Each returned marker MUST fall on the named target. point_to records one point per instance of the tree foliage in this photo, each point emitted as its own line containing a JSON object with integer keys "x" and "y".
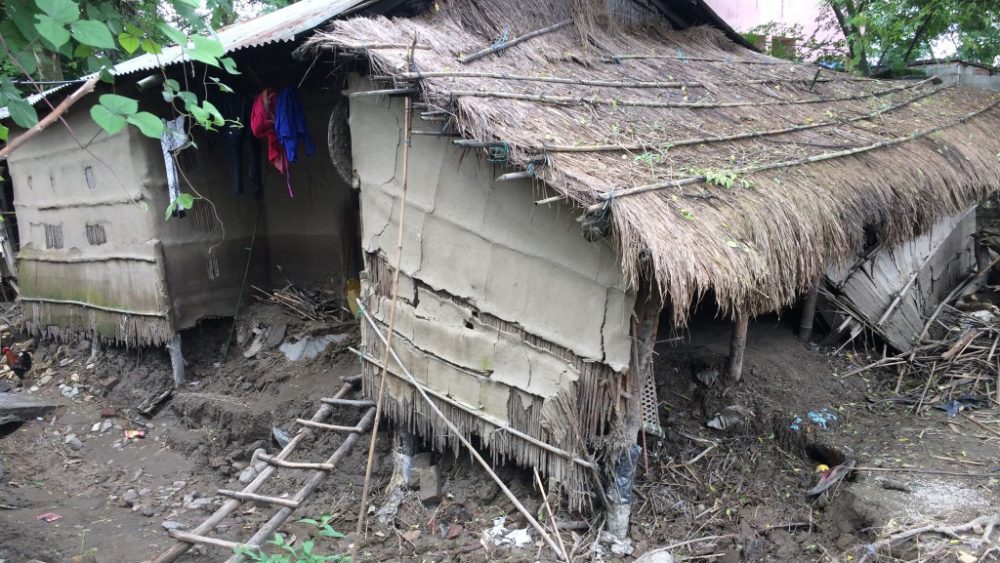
{"x": 44, "y": 42}
{"x": 889, "y": 34}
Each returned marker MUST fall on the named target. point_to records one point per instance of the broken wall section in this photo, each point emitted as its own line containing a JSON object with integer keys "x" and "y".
{"x": 504, "y": 309}
{"x": 894, "y": 290}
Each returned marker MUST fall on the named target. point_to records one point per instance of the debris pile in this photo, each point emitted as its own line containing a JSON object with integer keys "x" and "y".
{"x": 309, "y": 304}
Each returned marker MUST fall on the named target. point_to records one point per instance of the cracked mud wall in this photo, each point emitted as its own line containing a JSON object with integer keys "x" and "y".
{"x": 93, "y": 230}
{"x": 87, "y": 235}
{"x": 503, "y": 306}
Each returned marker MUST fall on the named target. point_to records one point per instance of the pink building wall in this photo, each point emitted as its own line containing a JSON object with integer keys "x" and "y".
{"x": 745, "y": 14}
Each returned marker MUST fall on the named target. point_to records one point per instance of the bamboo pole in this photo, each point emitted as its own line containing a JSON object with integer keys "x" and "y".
{"x": 606, "y": 101}
{"x": 598, "y": 83}
{"x": 407, "y": 138}
{"x": 461, "y": 437}
{"x": 740, "y": 136}
{"x": 737, "y": 346}
{"x": 501, "y": 46}
{"x": 86, "y": 88}
{"x": 809, "y": 311}
{"x": 798, "y": 162}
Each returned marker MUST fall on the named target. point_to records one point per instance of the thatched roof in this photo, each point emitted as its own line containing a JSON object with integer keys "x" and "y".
{"x": 648, "y": 124}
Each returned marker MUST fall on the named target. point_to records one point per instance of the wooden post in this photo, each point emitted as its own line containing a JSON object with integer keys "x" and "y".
{"x": 738, "y": 345}
{"x": 176, "y": 360}
{"x": 809, "y": 312}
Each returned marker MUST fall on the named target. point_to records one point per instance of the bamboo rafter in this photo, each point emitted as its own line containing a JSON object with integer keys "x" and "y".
{"x": 592, "y": 100}
{"x": 605, "y": 83}
{"x": 739, "y": 136}
{"x": 801, "y": 161}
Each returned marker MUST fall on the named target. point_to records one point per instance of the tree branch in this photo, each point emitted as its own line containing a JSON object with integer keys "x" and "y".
{"x": 54, "y": 115}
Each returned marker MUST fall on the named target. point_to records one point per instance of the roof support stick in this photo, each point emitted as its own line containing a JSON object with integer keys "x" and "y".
{"x": 503, "y": 45}
{"x": 407, "y": 140}
{"x": 738, "y": 345}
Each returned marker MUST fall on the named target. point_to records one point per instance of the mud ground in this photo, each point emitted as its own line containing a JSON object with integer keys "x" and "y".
{"x": 733, "y": 495}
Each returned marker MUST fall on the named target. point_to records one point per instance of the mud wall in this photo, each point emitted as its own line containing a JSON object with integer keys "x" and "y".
{"x": 89, "y": 256}
{"x": 503, "y": 306}
{"x": 313, "y": 236}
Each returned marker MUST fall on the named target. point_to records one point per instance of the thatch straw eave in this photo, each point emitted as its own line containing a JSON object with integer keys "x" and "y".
{"x": 718, "y": 168}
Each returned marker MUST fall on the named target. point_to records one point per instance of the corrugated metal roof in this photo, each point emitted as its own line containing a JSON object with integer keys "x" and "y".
{"x": 279, "y": 25}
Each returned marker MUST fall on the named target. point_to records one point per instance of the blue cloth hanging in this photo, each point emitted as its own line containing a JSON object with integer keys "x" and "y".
{"x": 290, "y": 124}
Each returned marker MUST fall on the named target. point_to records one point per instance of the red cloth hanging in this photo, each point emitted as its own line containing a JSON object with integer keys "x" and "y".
{"x": 262, "y": 126}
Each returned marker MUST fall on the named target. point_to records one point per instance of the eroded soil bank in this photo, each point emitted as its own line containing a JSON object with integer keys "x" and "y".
{"x": 732, "y": 495}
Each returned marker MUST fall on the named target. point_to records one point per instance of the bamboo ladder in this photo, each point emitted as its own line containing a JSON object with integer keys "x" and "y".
{"x": 285, "y": 506}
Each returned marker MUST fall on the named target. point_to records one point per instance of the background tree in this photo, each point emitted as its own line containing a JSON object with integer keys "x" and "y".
{"x": 888, "y": 35}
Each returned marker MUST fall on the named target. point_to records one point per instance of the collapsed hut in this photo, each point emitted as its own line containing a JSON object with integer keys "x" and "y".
{"x": 572, "y": 169}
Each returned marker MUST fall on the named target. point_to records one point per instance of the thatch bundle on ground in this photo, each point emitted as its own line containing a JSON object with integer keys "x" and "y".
{"x": 721, "y": 169}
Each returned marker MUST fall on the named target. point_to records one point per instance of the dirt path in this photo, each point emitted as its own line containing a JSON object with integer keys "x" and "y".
{"x": 742, "y": 488}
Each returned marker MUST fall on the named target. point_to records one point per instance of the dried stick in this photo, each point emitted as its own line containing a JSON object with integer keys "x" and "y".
{"x": 84, "y": 89}
{"x": 501, "y": 46}
{"x": 408, "y": 126}
{"x": 459, "y": 436}
{"x": 952, "y": 531}
{"x": 548, "y": 508}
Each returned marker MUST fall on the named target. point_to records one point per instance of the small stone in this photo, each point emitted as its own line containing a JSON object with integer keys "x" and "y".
{"x": 106, "y": 425}
{"x": 171, "y": 525}
{"x": 180, "y": 484}
{"x": 216, "y": 462}
{"x": 657, "y": 556}
{"x": 248, "y": 474}
{"x": 74, "y": 443}
{"x": 89, "y": 558}
{"x": 147, "y": 510}
{"x": 205, "y": 504}
{"x": 109, "y": 383}
{"x": 75, "y": 377}
{"x": 430, "y": 484}
{"x": 145, "y": 492}
{"x": 45, "y": 380}
{"x": 130, "y": 498}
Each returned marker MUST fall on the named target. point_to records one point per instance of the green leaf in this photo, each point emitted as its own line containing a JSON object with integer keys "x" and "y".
{"x": 128, "y": 42}
{"x": 62, "y": 11}
{"x": 207, "y": 46}
{"x": 229, "y": 64}
{"x": 106, "y": 75}
{"x": 200, "y": 115}
{"x": 119, "y": 105}
{"x": 52, "y": 31}
{"x": 93, "y": 33}
{"x": 151, "y": 47}
{"x": 148, "y": 124}
{"x": 190, "y": 100}
{"x": 192, "y": 3}
{"x": 22, "y": 112}
{"x": 329, "y": 532}
{"x": 174, "y": 34}
{"x": 185, "y": 201}
{"x": 214, "y": 112}
{"x": 110, "y": 122}
{"x": 4, "y": 132}
{"x": 170, "y": 210}
{"x": 82, "y": 51}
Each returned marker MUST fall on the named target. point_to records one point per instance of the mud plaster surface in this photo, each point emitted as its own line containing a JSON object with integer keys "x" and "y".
{"x": 488, "y": 244}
